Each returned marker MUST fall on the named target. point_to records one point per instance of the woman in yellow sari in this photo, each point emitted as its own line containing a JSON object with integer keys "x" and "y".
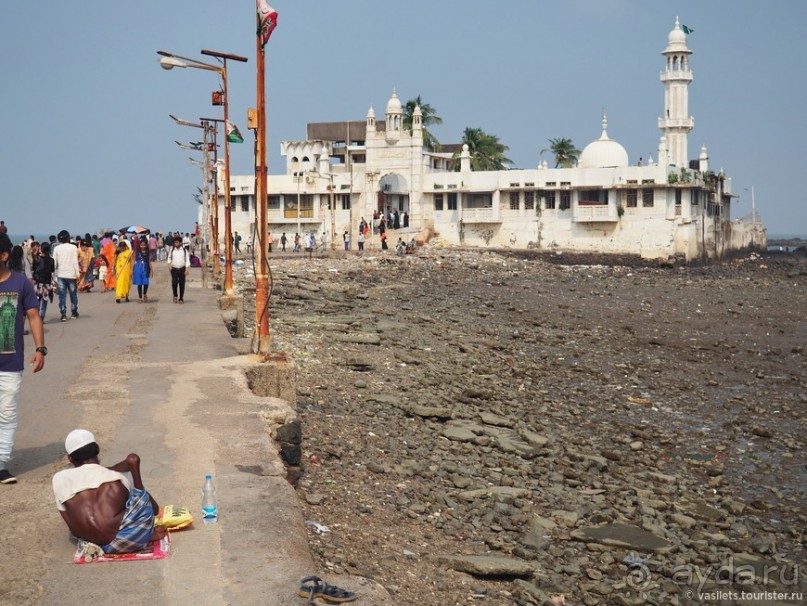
{"x": 123, "y": 273}
{"x": 85, "y": 264}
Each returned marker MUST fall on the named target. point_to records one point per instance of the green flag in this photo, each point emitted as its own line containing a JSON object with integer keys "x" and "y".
{"x": 233, "y": 136}
{"x": 687, "y": 30}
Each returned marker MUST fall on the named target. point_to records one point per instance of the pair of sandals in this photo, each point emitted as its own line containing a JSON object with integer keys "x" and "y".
{"x": 314, "y": 587}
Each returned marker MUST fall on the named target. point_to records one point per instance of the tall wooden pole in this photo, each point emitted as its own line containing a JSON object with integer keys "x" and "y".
{"x": 262, "y": 264}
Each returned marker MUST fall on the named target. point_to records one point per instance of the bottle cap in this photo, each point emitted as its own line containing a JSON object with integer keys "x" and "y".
{"x": 208, "y": 477}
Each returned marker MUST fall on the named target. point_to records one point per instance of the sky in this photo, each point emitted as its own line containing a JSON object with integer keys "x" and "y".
{"x": 87, "y": 142}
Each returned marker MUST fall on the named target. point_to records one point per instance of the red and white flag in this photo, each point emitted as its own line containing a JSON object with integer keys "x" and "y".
{"x": 267, "y": 21}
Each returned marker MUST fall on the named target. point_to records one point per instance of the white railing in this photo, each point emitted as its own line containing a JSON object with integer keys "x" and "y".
{"x": 480, "y": 215}
{"x": 595, "y": 212}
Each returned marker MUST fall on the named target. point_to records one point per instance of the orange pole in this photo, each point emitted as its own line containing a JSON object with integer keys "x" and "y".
{"x": 261, "y": 191}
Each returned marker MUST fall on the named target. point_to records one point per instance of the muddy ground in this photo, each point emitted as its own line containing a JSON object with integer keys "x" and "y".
{"x": 517, "y": 428}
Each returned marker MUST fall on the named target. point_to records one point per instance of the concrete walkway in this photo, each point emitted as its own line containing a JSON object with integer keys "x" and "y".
{"x": 165, "y": 381}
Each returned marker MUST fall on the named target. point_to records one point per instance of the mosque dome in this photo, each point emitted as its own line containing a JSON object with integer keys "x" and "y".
{"x": 676, "y": 39}
{"x": 603, "y": 153}
{"x": 394, "y": 104}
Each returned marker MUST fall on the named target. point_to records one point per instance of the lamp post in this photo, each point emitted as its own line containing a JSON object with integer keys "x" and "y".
{"x": 170, "y": 61}
{"x": 331, "y": 201}
{"x": 205, "y": 147}
{"x": 298, "y": 177}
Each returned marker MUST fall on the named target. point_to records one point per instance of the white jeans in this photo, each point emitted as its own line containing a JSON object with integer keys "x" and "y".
{"x": 10, "y": 383}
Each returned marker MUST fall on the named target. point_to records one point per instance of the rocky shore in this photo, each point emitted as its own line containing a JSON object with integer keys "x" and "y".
{"x": 519, "y": 428}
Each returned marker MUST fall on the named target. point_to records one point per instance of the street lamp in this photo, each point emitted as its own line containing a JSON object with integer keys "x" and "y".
{"x": 204, "y": 146}
{"x": 298, "y": 177}
{"x": 331, "y": 202}
{"x": 170, "y": 61}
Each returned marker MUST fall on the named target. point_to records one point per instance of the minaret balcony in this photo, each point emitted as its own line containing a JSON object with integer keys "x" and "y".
{"x": 677, "y": 75}
{"x": 676, "y": 123}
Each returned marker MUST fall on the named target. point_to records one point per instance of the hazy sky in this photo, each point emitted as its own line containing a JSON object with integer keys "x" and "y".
{"x": 87, "y": 142}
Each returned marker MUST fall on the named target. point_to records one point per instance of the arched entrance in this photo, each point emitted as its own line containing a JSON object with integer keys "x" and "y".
{"x": 393, "y": 194}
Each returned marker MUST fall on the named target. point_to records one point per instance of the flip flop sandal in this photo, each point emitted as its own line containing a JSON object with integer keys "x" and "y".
{"x": 320, "y": 589}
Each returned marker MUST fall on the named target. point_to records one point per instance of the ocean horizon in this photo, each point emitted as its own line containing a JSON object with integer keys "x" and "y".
{"x": 20, "y": 238}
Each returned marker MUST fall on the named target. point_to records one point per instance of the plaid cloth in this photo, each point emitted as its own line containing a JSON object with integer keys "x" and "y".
{"x": 136, "y": 526}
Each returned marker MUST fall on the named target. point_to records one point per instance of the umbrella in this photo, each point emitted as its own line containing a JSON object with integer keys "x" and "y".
{"x": 135, "y": 229}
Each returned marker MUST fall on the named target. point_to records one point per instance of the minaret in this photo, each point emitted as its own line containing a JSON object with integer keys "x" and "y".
{"x": 676, "y": 122}
{"x": 371, "y": 120}
{"x": 417, "y": 119}
{"x": 394, "y": 118}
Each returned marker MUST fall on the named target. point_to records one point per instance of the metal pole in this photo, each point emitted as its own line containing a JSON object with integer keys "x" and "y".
{"x": 214, "y": 203}
{"x": 262, "y": 263}
{"x": 298, "y": 177}
{"x": 333, "y": 215}
{"x": 206, "y": 203}
{"x": 228, "y": 236}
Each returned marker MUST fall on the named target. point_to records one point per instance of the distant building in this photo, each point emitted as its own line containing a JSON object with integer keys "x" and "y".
{"x": 672, "y": 205}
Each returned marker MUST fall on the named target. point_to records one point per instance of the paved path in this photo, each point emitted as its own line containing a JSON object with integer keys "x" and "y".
{"x": 165, "y": 381}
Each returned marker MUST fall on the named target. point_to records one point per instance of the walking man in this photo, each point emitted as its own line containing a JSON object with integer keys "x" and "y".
{"x": 17, "y": 302}
{"x": 310, "y": 242}
{"x": 179, "y": 262}
{"x": 283, "y": 240}
{"x": 65, "y": 259}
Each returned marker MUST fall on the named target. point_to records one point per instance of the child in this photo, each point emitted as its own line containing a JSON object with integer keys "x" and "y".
{"x": 103, "y": 267}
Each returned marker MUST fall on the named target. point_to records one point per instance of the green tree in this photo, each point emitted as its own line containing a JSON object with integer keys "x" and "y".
{"x": 566, "y": 154}
{"x": 428, "y": 117}
{"x": 487, "y": 153}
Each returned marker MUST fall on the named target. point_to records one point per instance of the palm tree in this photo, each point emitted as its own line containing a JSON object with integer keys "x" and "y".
{"x": 428, "y": 117}
{"x": 565, "y": 152}
{"x": 487, "y": 153}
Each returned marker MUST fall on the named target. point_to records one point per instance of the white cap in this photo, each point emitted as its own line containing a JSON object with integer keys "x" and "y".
{"x": 77, "y": 439}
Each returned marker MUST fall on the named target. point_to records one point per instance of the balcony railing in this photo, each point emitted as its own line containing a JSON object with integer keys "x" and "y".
{"x": 594, "y": 212}
{"x": 481, "y": 215}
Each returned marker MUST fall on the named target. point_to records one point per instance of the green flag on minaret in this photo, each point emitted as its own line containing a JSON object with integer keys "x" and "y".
{"x": 687, "y": 30}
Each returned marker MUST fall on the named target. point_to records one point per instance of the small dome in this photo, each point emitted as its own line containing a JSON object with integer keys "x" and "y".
{"x": 676, "y": 39}
{"x": 603, "y": 153}
{"x": 371, "y": 112}
{"x": 394, "y": 104}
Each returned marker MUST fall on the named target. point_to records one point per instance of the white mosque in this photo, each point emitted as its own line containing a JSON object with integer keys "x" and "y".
{"x": 667, "y": 206}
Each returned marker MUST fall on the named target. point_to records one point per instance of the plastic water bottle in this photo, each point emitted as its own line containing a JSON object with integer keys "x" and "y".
{"x": 210, "y": 509}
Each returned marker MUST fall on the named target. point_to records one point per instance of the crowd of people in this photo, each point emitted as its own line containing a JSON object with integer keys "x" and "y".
{"x": 65, "y": 266}
{"x": 382, "y": 222}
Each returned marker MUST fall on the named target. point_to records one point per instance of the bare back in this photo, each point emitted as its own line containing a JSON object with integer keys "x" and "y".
{"x": 95, "y": 514}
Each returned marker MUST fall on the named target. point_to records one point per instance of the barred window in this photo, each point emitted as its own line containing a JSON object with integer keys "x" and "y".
{"x": 550, "y": 200}
{"x": 565, "y": 200}
{"x": 438, "y": 201}
{"x": 514, "y": 200}
{"x": 632, "y": 198}
{"x": 452, "y": 201}
{"x": 647, "y": 198}
{"x": 529, "y": 200}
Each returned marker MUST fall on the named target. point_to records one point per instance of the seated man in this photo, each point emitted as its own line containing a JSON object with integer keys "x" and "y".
{"x": 107, "y": 506}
